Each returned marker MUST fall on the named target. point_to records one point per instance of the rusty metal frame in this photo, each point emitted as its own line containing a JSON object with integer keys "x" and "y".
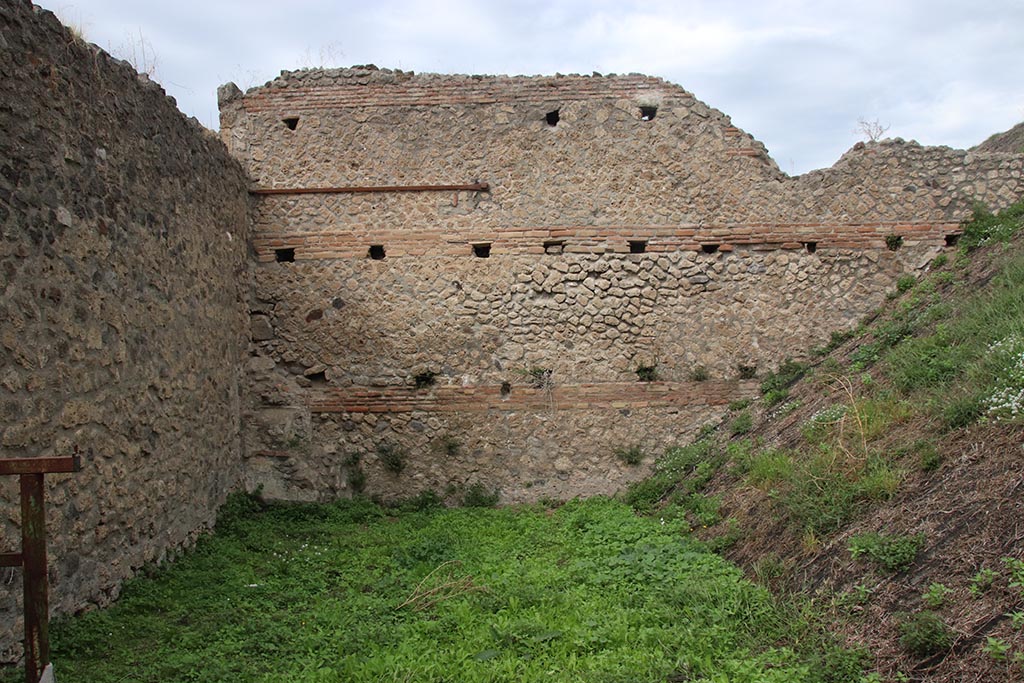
{"x": 32, "y": 558}
{"x": 471, "y": 187}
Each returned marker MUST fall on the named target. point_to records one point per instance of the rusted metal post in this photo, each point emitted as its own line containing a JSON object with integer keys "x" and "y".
{"x": 33, "y": 551}
{"x": 32, "y": 558}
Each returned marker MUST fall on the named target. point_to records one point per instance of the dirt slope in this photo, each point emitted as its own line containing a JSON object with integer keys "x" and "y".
{"x": 1009, "y": 141}
{"x": 966, "y": 502}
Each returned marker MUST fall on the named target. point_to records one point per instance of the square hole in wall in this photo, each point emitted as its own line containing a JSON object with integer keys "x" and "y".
{"x": 648, "y": 113}
{"x": 284, "y": 255}
{"x": 552, "y": 118}
{"x": 637, "y": 246}
{"x": 952, "y": 239}
{"x": 811, "y": 247}
{"x": 482, "y": 250}
{"x": 709, "y": 248}
{"x": 554, "y": 247}
{"x": 291, "y": 121}
{"x": 376, "y": 252}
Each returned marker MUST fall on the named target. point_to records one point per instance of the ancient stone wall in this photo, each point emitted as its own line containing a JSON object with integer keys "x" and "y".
{"x": 123, "y": 237}
{"x": 509, "y": 335}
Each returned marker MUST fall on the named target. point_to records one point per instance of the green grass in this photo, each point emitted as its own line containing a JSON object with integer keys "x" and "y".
{"x": 972, "y": 364}
{"x": 354, "y": 592}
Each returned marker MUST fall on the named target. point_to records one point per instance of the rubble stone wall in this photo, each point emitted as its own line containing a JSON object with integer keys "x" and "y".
{"x": 123, "y": 320}
{"x": 510, "y": 335}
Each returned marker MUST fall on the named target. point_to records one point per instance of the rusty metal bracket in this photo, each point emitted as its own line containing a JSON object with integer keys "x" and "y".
{"x": 32, "y": 558}
{"x": 471, "y": 187}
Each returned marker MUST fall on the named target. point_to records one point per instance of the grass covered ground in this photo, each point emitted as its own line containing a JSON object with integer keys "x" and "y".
{"x": 352, "y": 592}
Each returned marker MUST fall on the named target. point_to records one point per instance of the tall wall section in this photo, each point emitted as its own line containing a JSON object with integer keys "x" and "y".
{"x": 122, "y": 265}
{"x": 629, "y": 241}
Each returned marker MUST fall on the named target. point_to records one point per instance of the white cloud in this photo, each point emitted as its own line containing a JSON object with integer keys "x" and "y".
{"x": 795, "y": 73}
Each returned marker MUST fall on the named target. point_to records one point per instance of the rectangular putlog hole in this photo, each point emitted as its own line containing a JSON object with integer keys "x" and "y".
{"x": 482, "y": 250}
{"x": 554, "y": 247}
{"x": 286, "y": 255}
{"x": 376, "y": 252}
{"x": 637, "y": 246}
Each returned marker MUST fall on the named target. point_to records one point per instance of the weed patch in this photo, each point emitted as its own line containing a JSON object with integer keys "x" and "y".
{"x": 351, "y": 592}
{"x": 925, "y": 633}
{"x": 893, "y": 553}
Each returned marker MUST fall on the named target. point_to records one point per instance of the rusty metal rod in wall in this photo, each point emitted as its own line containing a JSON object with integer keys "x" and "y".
{"x": 472, "y": 187}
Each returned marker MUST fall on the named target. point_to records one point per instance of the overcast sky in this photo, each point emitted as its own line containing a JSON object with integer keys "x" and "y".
{"x": 796, "y": 74}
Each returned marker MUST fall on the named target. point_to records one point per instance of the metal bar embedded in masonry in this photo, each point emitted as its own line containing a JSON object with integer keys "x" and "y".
{"x": 472, "y": 187}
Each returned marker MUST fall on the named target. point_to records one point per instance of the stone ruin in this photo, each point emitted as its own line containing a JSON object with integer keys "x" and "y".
{"x": 389, "y": 282}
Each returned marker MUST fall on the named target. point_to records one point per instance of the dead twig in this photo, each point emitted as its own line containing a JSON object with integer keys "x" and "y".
{"x": 425, "y": 595}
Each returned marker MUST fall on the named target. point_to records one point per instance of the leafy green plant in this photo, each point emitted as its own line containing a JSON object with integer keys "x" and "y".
{"x": 982, "y": 582}
{"x": 422, "y": 501}
{"x": 644, "y": 495}
{"x": 935, "y": 596}
{"x": 986, "y": 227}
{"x": 891, "y": 552}
{"x": 1016, "y": 569}
{"x": 858, "y": 595}
{"x": 893, "y": 242}
{"x": 647, "y": 373}
{"x": 775, "y": 386}
{"x": 738, "y": 405}
{"x": 925, "y": 633}
{"x": 476, "y": 495}
{"x": 939, "y": 261}
{"x": 741, "y": 424}
{"x": 996, "y": 648}
{"x": 905, "y": 283}
{"x": 353, "y": 592}
{"x": 698, "y": 373}
{"x": 392, "y": 458}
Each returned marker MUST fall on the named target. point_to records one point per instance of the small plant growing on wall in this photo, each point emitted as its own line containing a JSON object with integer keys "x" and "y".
{"x": 540, "y": 378}
{"x": 698, "y": 373}
{"x": 630, "y": 455}
{"x": 355, "y": 476}
{"x": 647, "y": 373}
{"x": 450, "y": 445}
{"x": 392, "y": 458}
{"x": 477, "y": 495}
